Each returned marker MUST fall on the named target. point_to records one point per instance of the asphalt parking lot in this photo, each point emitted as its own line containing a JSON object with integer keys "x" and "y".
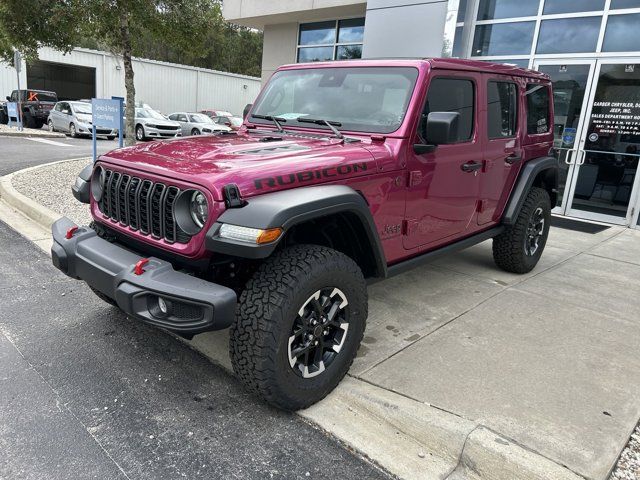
{"x": 86, "y": 393}
{"x": 19, "y": 153}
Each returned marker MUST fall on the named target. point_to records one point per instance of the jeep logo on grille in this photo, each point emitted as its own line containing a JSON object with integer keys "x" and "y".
{"x": 309, "y": 175}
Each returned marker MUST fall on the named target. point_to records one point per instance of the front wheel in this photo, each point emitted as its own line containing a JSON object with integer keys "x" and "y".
{"x": 140, "y": 133}
{"x": 519, "y": 248}
{"x": 73, "y": 132}
{"x": 51, "y": 127}
{"x": 195, "y": 131}
{"x": 299, "y": 324}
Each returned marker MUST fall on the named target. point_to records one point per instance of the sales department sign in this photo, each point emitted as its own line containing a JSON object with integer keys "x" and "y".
{"x": 615, "y": 118}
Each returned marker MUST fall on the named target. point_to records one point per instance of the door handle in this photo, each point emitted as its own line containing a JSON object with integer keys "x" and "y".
{"x": 513, "y": 158}
{"x": 471, "y": 167}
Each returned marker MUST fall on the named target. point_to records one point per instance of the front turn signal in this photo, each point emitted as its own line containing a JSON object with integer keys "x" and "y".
{"x": 268, "y": 236}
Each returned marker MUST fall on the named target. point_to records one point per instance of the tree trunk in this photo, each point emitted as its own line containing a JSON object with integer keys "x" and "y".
{"x": 128, "y": 80}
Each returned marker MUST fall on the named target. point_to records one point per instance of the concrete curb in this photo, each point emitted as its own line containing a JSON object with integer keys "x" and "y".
{"x": 408, "y": 438}
{"x": 33, "y": 135}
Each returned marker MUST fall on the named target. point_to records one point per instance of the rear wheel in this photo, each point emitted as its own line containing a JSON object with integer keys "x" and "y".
{"x": 299, "y": 324}
{"x": 4, "y": 119}
{"x": 519, "y": 248}
{"x": 28, "y": 120}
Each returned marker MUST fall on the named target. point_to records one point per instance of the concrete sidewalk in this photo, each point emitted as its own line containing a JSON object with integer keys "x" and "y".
{"x": 470, "y": 372}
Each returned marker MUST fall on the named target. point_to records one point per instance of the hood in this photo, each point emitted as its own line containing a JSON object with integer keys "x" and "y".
{"x": 157, "y": 121}
{"x": 255, "y": 165}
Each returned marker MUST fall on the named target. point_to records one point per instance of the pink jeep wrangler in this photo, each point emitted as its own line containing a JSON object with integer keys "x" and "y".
{"x": 343, "y": 173}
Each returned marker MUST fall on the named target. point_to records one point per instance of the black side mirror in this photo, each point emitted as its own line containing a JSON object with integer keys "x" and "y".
{"x": 440, "y": 128}
{"x": 8, "y": 98}
{"x": 247, "y": 109}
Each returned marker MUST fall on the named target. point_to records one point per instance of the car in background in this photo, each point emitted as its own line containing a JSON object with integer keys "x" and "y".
{"x": 197, "y": 124}
{"x": 75, "y": 118}
{"x": 35, "y": 104}
{"x": 152, "y": 124}
{"x": 234, "y": 123}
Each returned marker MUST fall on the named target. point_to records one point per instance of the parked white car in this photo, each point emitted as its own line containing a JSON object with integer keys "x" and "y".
{"x": 152, "y": 124}
{"x": 75, "y": 118}
{"x": 197, "y": 124}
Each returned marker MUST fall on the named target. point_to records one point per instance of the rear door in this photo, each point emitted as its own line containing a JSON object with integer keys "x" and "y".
{"x": 443, "y": 185}
{"x": 502, "y": 146}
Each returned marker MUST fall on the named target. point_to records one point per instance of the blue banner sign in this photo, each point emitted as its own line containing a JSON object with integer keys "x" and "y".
{"x": 107, "y": 113}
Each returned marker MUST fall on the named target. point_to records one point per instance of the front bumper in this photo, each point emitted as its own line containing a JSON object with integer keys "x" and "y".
{"x": 156, "y": 132}
{"x": 193, "y": 305}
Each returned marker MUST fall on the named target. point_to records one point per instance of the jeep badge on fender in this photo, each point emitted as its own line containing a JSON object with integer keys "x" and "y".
{"x": 343, "y": 173}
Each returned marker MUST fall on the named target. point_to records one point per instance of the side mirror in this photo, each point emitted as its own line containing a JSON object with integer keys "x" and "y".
{"x": 228, "y": 124}
{"x": 8, "y": 98}
{"x": 440, "y": 128}
{"x": 247, "y": 109}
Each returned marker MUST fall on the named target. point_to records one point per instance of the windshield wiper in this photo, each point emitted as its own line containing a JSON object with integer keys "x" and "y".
{"x": 277, "y": 121}
{"x": 321, "y": 121}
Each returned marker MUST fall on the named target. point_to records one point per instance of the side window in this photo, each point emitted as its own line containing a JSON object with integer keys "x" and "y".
{"x": 182, "y": 118}
{"x": 502, "y": 104}
{"x": 173, "y": 116}
{"x": 58, "y": 107}
{"x": 14, "y": 96}
{"x": 451, "y": 95}
{"x": 537, "y": 108}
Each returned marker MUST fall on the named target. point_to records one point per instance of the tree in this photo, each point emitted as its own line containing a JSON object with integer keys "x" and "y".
{"x": 120, "y": 26}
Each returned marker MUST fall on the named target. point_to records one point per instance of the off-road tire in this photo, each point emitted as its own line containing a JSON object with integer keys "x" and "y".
{"x": 4, "y": 119}
{"x": 267, "y": 310}
{"x": 509, "y": 252}
{"x": 28, "y": 120}
{"x": 39, "y": 124}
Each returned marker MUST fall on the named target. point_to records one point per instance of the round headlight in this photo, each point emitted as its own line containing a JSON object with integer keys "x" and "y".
{"x": 199, "y": 208}
{"x": 97, "y": 183}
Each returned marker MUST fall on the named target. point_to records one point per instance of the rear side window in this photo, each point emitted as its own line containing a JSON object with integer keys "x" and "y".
{"x": 502, "y": 101}
{"x": 537, "y": 108}
{"x": 452, "y": 95}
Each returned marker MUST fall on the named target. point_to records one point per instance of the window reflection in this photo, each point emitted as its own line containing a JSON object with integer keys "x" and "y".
{"x": 625, "y": 4}
{"x": 503, "y": 39}
{"x": 622, "y": 33}
{"x": 462, "y": 8}
{"x": 559, "y": 36}
{"x": 317, "y": 33}
{"x": 491, "y": 9}
{"x": 315, "y": 54}
{"x": 349, "y": 52}
{"x": 351, "y": 30}
{"x": 563, "y": 6}
{"x": 457, "y": 44}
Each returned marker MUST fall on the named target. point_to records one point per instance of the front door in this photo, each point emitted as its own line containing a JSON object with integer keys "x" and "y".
{"x": 442, "y": 195}
{"x": 605, "y": 184}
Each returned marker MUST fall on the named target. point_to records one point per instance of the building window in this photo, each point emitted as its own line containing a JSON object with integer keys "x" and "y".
{"x": 622, "y": 33}
{"x": 493, "y": 9}
{"x": 503, "y": 39}
{"x": 537, "y": 109}
{"x": 562, "y": 6}
{"x": 615, "y": 4}
{"x": 332, "y": 40}
{"x": 457, "y": 44}
{"x": 452, "y": 95}
{"x": 560, "y": 35}
{"x": 502, "y": 100}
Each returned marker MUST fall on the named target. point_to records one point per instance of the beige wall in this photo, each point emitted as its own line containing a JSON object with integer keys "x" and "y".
{"x": 280, "y": 42}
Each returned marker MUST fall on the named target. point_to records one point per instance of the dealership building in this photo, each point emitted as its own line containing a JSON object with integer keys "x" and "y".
{"x": 589, "y": 48}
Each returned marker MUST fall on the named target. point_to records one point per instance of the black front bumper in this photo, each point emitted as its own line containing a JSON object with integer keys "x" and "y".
{"x": 193, "y": 305}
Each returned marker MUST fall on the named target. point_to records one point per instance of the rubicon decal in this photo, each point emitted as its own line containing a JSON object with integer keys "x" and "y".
{"x": 310, "y": 175}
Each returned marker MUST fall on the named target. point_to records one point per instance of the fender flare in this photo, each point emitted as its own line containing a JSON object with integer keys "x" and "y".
{"x": 531, "y": 170}
{"x": 288, "y": 208}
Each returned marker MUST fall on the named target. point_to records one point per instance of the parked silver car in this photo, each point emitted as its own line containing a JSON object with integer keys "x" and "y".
{"x": 152, "y": 124}
{"x": 75, "y": 118}
{"x": 197, "y": 123}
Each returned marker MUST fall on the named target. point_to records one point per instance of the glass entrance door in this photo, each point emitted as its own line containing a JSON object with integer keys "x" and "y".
{"x": 572, "y": 81}
{"x": 604, "y": 183}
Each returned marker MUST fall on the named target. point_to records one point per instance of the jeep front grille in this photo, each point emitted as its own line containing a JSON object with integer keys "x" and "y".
{"x": 141, "y": 205}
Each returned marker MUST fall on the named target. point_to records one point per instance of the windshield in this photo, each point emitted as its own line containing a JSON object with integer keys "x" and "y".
{"x": 199, "y": 118}
{"x": 148, "y": 113}
{"x": 362, "y": 99}
{"x": 82, "y": 108}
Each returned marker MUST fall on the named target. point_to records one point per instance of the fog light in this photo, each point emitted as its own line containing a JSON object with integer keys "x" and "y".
{"x": 162, "y": 305}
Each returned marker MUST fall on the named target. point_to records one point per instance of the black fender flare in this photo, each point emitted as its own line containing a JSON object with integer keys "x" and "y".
{"x": 82, "y": 186}
{"x": 530, "y": 171}
{"x": 288, "y": 208}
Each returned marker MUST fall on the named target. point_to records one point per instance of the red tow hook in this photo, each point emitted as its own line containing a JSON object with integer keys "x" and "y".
{"x": 138, "y": 270}
{"x": 70, "y": 232}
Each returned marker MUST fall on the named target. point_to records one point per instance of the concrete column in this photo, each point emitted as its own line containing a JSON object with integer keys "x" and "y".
{"x": 279, "y": 47}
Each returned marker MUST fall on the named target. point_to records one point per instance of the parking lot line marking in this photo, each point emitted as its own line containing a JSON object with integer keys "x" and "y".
{"x": 49, "y": 142}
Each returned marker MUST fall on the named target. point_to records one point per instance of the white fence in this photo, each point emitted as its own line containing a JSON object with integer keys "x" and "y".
{"x": 165, "y": 86}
